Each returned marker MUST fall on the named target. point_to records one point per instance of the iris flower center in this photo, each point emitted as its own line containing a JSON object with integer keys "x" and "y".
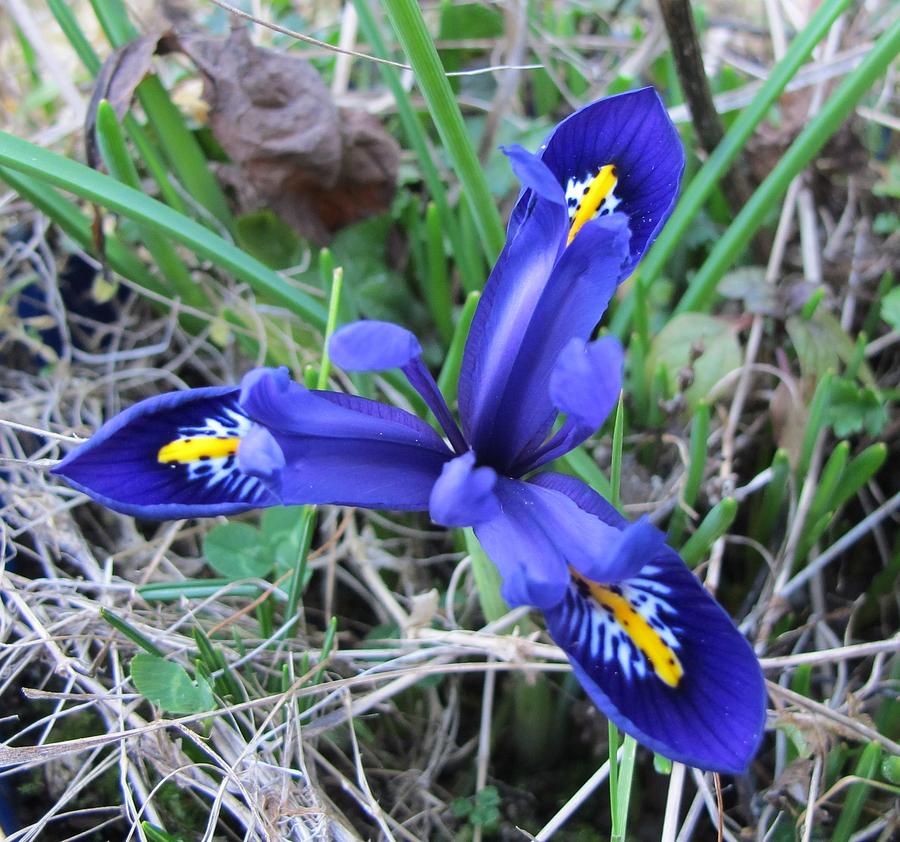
{"x": 196, "y": 448}
{"x": 596, "y": 195}
{"x": 659, "y": 654}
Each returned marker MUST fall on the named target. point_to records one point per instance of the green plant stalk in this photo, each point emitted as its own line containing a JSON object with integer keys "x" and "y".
{"x": 697, "y": 450}
{"x": 226, "y": 684}
{"x": 710, "y": 175}
{"x": 307, "y": 528}
{"x": 334, "y": 303}
{"x": 448, "y": 378}
{"x": 626, "y": 775}
{"x": 25, "y": 157}
{"x": 615, "y": 467}
{"x": 487, "y": 580}
{"x": 613, "y": 739}
{"x": 814, "y": 422}
{"x": 409, "y": 25}
{"x": 327, "y": 646}
{"x": 860, "y": 470}
{"x": 115, "y": 154}
{"x": 713, "y": 527}
{"x": 131, "y": 633}
{"x": 470, "y": 270}
{"x": 435, "y": 283}
{"x": 822, "y": 126}
{"x": 866, "y": 767}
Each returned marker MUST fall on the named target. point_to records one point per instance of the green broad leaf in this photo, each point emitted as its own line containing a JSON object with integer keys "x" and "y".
{"x": 236, "y": 550}
{"x": 748, "y": 284}
{"x": 890, "y": 769}
{"x": 168, "y": 685}
{"x": 821, "y": 344}
{"x": 855, "y": 409}
{"x": 269, "y": 239}
{"x": 890, "y": 308}
{"x": 280, "y": 519}
{"x": 706, "y": 344}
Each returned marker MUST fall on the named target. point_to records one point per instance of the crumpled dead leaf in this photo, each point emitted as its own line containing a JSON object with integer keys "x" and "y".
{"x": 119, "y": 76}
{"x": 291, "y": 148}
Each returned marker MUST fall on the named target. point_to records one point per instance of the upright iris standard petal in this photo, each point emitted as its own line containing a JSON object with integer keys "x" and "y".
{"x": 464, "y": 494}
{"x": 342, "y": 449}
{"x": 172, "y": 456}
{"x": 505, "y": 400}
{"x": 658, "y": 655}
{"x": 632, "y": 133}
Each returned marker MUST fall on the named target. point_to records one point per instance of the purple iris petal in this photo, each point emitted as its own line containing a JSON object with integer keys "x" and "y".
{"x": 585, "y": 385}
{"x": 534, "y": 174}
{"x": 373, "y": 346}
{"x": 260, "y": 456}
{"x": 523, "y": 322}
{"x": 656, "y": 624}
{"x": 464, "y": 495}
{"x": 633, "y": 132}
{"x": 120, "y": 466}
{"x": 539, "y": 534}
{"x": 342, "y": 449}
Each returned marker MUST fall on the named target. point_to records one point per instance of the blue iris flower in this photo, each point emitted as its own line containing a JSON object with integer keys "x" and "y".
{"x": 647, "y": 642}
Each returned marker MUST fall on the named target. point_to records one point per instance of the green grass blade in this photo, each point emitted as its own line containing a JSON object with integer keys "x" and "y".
{"x": 623, "y": 788}
{"x": 487, "y": 580}
{"x": 713, "y": 527}
{"x": 860, "y": 470}
{"x": 857, "y": 794}
{"x": 435, "y": 284}
{"x": 695, "y": 470}
{"x": 68, "y": 23}
{"x": 448, "y": 378}
{"x": 70, "y": 218}
{"x": 118, "y": 161}
{"x": 131, "y": 633}
{"x": 407, "y": 21}
{"x": 814, "y": 422}
{"x": 822, "y": 126}
{"x": 708, "y": 178}
{"x": 470, "y": 270}
{"x": 69, "y": 175}
{"x": 615, "y": 468}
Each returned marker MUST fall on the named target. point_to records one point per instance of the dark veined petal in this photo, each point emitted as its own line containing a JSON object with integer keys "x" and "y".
{"x": 342, "y": 449}
{"x": 520, "y": 328}
{"x": 659, "y": 657}
{"x": 172, "y": 456}
{"x": 537, "y": 536}
{"x": 633, "y": 133}
{"x": 464, "y": 494}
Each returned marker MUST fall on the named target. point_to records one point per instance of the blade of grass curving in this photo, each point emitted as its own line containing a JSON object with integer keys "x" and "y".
{"x": 821, "y": 127}
{"x": 42, "y": 164}
{"x": 68, "y": 216}
{"x": 469, "y": 269}
{"x": 623, "y": 788}
{"x": 118, "y": 161}
{"x": 713, "y": 527}
{"x": 860, "y": 470}
{"x": 707, "y": 179}
{"x": 409, "y": 25}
